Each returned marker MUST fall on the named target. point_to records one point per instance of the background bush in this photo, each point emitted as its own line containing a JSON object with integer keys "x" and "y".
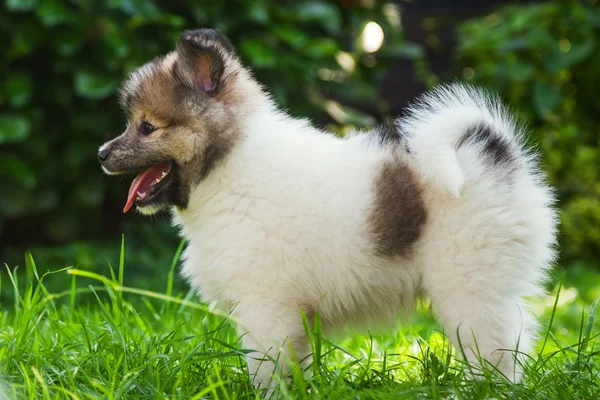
{"x": 545, "y": 61}
{"x": 62, "y": 62}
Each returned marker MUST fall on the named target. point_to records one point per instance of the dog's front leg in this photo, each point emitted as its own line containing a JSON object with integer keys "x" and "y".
{"x": 275, "y": 331}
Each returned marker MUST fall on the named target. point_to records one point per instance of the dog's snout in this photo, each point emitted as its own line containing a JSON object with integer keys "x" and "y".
{"x": 103, "y": 155}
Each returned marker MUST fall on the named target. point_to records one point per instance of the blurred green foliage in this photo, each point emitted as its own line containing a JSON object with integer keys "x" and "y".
{"x": 544, "y": 59}
{"x": 62, "y": 62}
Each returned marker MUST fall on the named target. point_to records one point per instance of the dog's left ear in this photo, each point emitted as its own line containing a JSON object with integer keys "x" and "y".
{"x": 202, "y": 55}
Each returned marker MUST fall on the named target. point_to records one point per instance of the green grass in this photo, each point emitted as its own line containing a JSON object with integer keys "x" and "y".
{"x": 98, "y": 339}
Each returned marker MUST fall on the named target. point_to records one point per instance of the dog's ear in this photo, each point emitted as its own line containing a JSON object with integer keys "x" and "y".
{"x": 202, "y": 56}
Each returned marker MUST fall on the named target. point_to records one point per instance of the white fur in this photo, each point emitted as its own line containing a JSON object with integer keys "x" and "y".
{"x": 281, "y": 226}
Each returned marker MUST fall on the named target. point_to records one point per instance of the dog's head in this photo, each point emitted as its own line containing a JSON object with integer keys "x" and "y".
{"x": 182, "y": 112}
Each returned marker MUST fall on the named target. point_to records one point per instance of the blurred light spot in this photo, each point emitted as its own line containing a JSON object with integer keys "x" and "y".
{"x": 416, "y": 348}
{"x": 345, "y": 60}
{"x": 336, "y": 112}
{"x": 345, "y": 115}
{"x": 392, "y": 13}
{"x": 436, "y": 340}
{"x": 468, "y": 73}
{"x": 367, "y": 3}
{"x": 564, "y": 45}
{"x": 371, "y": 37}
{"x": 369, "y": 61}
{"x": 567, "y": 296}
{"x": 326, "y": 74}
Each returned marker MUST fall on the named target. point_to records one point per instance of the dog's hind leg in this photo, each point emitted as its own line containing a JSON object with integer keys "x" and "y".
{"x": 484, "y": 255}
{"x": 484, "y": 323}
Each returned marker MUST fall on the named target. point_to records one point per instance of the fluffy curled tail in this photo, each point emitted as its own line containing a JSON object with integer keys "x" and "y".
{"x": 452, "y": 116}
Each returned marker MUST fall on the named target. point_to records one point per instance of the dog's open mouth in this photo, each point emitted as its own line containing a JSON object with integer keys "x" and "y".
{"x": 145, "y": 183}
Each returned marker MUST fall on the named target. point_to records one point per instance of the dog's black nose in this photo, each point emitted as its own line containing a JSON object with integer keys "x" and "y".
{"x": 103, "y": 155}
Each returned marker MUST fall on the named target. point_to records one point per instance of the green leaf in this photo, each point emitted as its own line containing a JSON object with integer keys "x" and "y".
{"x": 68, "y": 41}
{"x": 326, "y": 14}
{"x": 89, "y": 192}
{"x": 14, "y": 128}
{"x": 258, "y": 53}
{"x": 174, "y": 20}
{"x": 146, "y": 8}
{"x": 258, "y": 12}
{"x": 546, "y": 97}
{"x": 45, "y": 199}
{"x": 52, "y": 12}
{"x": 409, "y": 50}
{"x": 115, "y": 40}
{"x": 295, "y": 38}
{"x": 94, "y": 86}
{"x": 515, "y": 44}
{"x": 25, "y": 39}
{"x": 577, "y": 53}
{"x": 521, "y": 72}
{"x": 21, "y": 5}
{"x": 320, "y": 48}
{"x": 15, "y": 201}
{"x": 18, "y": 88}
{"x": 12, "y": 167}
{"x": 357, "y": 92}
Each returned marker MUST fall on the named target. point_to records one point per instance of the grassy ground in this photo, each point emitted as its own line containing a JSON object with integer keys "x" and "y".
{"x": 129, "y": 343}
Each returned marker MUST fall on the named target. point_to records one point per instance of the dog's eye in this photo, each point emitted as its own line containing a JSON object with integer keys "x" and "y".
{"x": 147, "y": 128}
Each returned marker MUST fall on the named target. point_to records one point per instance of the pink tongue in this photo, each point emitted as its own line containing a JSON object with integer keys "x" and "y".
{"x": 144, "y": 181}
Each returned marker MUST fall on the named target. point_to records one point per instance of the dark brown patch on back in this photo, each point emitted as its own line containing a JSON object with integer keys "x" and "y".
{"x": 397, "y": 216}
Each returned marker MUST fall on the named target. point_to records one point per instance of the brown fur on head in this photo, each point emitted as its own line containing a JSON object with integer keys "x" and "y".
{"x": 182, "y": 108}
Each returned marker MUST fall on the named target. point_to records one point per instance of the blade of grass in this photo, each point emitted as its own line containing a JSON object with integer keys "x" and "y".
{"x": 148, "y": 293}
{"x": 122, "y": 260}
{"x": 14, "y": 280}
{"x": 169, "y": 291}
{"x": 552, "y": 316}
{"x": 590, "y": 323}
{"x": 170, "y": 278}
{"x": 73, "y": 292}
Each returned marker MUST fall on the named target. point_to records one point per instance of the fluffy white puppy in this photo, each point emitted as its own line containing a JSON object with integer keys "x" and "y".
{"x": 282, "y": 218}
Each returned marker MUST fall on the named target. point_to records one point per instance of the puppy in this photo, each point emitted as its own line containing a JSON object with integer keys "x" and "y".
{"x": 284, "y": 220}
